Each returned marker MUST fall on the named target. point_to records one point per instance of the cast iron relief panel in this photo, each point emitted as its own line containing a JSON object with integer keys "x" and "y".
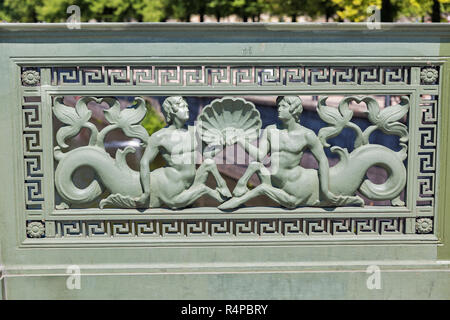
{"x": 331, "y": 201}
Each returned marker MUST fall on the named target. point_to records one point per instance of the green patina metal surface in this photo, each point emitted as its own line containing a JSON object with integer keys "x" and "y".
{"x": 444, "y": 203}
{"x": 137, "y": 229}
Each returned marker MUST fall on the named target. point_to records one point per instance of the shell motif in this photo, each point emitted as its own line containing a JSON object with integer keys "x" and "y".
{"x": 223, "y": 120}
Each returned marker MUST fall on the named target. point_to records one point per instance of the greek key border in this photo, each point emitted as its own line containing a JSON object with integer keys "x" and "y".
{"x": 230, "y": 76}
{"x": 220, "y": 77}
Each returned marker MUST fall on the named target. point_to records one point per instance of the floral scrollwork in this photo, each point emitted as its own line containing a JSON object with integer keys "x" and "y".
{"x": 35, "y": 229}
{"x": 385, "y": 120}
{"x": 77, "y": 118}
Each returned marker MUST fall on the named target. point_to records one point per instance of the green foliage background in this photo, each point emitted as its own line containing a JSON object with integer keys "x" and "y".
{"x": 246, "y": 10}
{"x": 152, "y": 123}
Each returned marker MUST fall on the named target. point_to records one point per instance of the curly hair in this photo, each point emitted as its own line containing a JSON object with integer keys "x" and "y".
{"x": 295, "y": 104}
{"x": 167, "y": 107}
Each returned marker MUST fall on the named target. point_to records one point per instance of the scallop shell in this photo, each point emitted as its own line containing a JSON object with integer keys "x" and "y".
{"x": 224, "y": 119}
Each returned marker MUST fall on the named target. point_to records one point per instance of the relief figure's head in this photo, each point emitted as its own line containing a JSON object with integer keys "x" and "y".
{"x": 175, "y": 109}
{"x": 289, "y": 107}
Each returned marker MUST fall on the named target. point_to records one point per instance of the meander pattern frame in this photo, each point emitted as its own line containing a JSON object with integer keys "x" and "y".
{"x": 43, "y": 224}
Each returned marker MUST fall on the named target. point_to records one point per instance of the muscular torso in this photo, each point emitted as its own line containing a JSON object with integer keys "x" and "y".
{"x": 177, "y": 147}
{"x": 286, "y": 151}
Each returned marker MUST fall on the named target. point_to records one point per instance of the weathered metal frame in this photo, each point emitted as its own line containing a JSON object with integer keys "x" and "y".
{"x": 48, "y": 89}
{"x": 420, "y": 246}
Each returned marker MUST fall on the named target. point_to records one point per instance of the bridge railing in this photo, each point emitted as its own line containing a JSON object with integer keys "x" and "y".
{"x": 285, "y": 144}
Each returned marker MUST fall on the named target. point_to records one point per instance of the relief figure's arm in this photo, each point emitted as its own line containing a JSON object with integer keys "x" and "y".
{"x": 256, "y": 152}
{"x": 211, "y": 151}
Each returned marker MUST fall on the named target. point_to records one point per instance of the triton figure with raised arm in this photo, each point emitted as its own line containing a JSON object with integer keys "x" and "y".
{"x": 177, "y": 185}
{"x": 286, "y": 182}
{"x": 224, "y": 122}
{"x": 180, "y": 183}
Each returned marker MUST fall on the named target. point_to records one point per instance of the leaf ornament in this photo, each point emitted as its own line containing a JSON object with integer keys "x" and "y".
{"x": 127, "y": 119}
{"x": 121, "y": 160}
{"x": 387, "y": 118}
{"x": 74, "y": 119}
{"x": 336, "y": 118}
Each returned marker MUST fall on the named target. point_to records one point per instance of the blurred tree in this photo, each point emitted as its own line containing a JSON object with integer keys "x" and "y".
{"x": 182, "y": 10}
{"x": 356, "y": 10}
{"x": 436, "y": 14}
{"x": 56, "y": 10}
{"x": 416, "y": 9}
{"x": 219, "y": 8}
{"x": 316, "y": 8}
{"x": 419, "y": 9}
{"x": 150, "y": 10}
{"x": 19, "y": 10}
{"x": 126, "y": 10}
{"x": 246, "y": 9}
{"x": 439, "y": 7}
{"x": 109, "y": 10}
{"x": 295, "y": 8}
{"x": 100, "y": 10}
{"x": 290, "y": 8}
{"x": 389, "y": 10}
{"x": 152, "y": 123}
